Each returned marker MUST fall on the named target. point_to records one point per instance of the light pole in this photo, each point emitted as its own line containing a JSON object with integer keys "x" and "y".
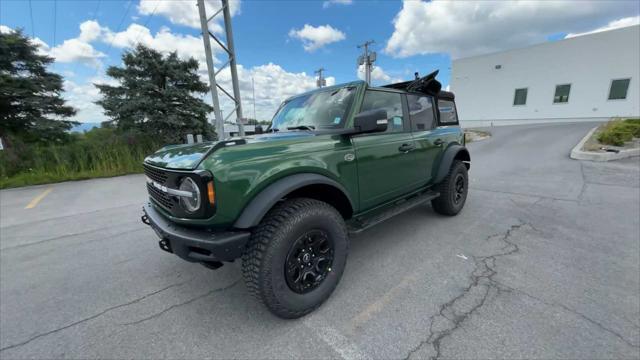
{"x": 253, "y": 88}
{"x": 320, "y": 82}
{"x": 367, "y": 59}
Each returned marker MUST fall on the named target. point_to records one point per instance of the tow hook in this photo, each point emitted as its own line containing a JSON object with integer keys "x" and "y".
{"x": 165, "y": 245}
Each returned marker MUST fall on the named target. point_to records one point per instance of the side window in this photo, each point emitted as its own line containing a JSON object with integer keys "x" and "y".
{"x": 420, "y": 112}
{"x": 391, "y": 102}
{"x": 448, "y": 115}
{"x": 562, "y": 94}
{"x": 520, "y": 97}
{"x": 618, "y": 89}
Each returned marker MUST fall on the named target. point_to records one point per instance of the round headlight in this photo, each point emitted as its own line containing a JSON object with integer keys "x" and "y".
{"x": 191, "y": 204}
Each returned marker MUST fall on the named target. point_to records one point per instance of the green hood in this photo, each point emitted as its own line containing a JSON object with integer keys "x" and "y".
{"x": 187, "y": 157}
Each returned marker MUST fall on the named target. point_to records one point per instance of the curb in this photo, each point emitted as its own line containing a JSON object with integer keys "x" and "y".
{"x": 578, "y": 154}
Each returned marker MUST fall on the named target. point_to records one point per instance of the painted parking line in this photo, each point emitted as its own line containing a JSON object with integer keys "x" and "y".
{"x": 37, "y": 199}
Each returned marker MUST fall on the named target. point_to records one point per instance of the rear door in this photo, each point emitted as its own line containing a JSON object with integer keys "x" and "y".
{"x": 428, "y": 141}
{"x": 386, "y": 161}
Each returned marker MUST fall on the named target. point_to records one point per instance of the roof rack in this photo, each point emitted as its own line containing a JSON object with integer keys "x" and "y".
{"x": 426, "y": 84}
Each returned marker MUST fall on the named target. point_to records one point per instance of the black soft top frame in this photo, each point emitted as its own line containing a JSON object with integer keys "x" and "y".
{"x": 426, "y": 84}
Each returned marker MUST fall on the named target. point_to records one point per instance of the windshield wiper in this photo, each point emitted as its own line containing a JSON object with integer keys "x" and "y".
{"x": 302, "y": 127}
{"x": 273, "y": 130}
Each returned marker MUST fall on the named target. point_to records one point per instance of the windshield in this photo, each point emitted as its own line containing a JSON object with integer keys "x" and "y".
{"x": 317, "y": 110}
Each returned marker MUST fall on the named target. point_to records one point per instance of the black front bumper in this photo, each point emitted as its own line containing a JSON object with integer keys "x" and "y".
{"x": 195, "y": 245}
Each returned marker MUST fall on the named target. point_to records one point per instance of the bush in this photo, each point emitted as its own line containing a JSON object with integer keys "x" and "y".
{"x": 617, "y": 132}
{"x": 97, "y": 153}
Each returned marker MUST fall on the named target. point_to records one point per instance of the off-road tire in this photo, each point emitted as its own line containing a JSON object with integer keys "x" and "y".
{"x": 264, "y": 259}
{"x": 446, "y": 203}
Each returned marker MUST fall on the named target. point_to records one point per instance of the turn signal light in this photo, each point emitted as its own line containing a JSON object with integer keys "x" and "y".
{"x": 211, "y": 193}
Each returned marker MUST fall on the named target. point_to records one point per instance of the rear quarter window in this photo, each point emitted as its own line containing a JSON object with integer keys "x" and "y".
{"x": 421, "y": 112}
{"x": 448, "y": 114}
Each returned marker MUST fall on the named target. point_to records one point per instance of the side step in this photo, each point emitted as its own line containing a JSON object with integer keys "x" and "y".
{"x": 359, "y": 225}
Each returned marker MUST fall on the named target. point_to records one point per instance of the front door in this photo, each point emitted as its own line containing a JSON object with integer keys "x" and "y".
{"x": 386, "y": 161}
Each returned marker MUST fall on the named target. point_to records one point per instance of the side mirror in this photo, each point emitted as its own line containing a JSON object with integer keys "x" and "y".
{"x": 258, "y": 129}
{"x": 371, "y": 121}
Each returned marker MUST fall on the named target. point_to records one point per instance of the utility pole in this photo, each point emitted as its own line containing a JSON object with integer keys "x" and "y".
{"x": 253, "y": 89}
{"x": 321, "y": 81}
{"x": 231, "y": 62}
{"x": 367, "y": 59}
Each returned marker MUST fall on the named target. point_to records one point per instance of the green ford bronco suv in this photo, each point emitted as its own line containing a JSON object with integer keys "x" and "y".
{"x": 334, "y": 162}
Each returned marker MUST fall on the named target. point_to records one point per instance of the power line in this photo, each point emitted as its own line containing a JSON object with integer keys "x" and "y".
{"x": 33, "y": 31}
{"x": 55, "y": 20}
{"x": 95, "y": 12}
{"x": 119, "y": 26}
{"x": 147, "y": 21}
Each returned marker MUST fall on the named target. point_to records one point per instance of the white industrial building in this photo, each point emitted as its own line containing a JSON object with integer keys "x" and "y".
{"x": 584, "y": 78}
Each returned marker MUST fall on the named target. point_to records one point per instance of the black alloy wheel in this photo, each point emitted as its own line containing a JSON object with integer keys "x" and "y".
{"x": 309, "y": 261}
{"x": 459, "y": 188}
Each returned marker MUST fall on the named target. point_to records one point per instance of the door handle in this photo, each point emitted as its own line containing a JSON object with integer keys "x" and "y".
{"x": 438, "y": 142}
{"x": 405, "y": 148}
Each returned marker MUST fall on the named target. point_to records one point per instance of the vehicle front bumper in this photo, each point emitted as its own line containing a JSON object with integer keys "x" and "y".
{"x": 195, "y": 245}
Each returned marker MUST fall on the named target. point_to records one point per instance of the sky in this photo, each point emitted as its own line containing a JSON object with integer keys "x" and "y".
{"x": 279, "y": 44}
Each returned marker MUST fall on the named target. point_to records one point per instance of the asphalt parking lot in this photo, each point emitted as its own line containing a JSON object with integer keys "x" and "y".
{"x": 543, "y": 262}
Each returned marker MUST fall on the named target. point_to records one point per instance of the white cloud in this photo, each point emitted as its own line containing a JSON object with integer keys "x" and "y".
{"x": 328, "y": 3}
{"x": 465, "y": 28}
{"x": 5, "y": 29}
{"x": 315, "y": 37}
{"x": 616, "y": 24}
{"x": 186, "y": 12}
{"x": 43, "y": 47}
{"x": 76, "y": 50}
{"x": 71, "y": 50}
{"x": 79, "y": 49}
{"x": 82, "y": 98}
{"x": 164, "y": 41}
{"x": 273, "y": 84}
{"x": 90, "y": 30}
{"x": 378, "y": 76}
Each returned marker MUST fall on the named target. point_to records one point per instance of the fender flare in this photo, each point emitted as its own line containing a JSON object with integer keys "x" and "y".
{"x": 257, "y": 208}
{"x": 447, "y": 159}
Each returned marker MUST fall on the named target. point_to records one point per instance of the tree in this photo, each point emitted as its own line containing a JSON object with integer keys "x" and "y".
{"x": 156, "y": 96}
{"x": 31, "y": 106}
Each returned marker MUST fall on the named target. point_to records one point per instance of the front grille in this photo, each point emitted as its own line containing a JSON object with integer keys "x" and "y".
{"x": 159, "y": 178}
{"x": 161, "y": 197}
{"x": 156, "y": 175}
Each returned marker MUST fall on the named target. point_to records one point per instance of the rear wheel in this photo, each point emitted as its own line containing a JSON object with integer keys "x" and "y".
{"x": 296, "y": 256}
{"x": 453, "y": 190}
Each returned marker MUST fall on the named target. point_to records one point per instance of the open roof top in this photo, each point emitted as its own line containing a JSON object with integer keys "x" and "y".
{"x": 426, "y": 84}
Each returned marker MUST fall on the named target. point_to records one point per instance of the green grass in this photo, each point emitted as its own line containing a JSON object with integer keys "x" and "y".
{"x": 99, "y": 153}
{"x": 618, "y": 131}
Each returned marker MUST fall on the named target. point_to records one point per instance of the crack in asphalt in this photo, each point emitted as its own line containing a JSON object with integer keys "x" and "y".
{"x": 573, "y": 311}
{"x": 92, "y": 317}
{"x": 208, "y": 293}
{"x": 584, "y": 182}
{"x": 482, "y": 281}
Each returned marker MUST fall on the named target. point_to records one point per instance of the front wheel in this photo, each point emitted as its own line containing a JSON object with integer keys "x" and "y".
{"x": 296, "y": 256}
{"x": 453, "y": 190}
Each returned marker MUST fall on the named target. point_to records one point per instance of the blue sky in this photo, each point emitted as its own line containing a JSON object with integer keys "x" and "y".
{"x": 281, "y": 43}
